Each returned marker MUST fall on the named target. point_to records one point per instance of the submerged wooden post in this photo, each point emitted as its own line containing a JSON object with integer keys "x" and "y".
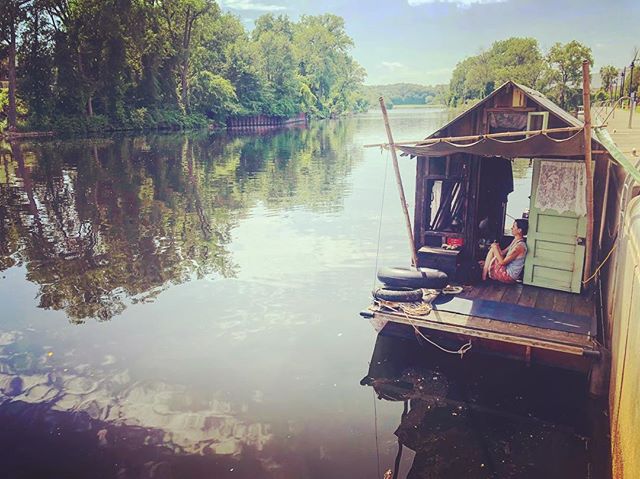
{"x": 394, "y": 157}
{"x": 586, "y": 100}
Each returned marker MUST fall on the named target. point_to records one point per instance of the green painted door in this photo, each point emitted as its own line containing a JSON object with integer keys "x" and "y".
{"x": 556, "y": 238}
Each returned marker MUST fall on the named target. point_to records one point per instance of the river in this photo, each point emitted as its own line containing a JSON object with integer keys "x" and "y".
{"x": 186, "y": 306}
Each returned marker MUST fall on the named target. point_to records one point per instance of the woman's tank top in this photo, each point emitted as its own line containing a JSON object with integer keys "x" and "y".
{"x": 514, "y": 269}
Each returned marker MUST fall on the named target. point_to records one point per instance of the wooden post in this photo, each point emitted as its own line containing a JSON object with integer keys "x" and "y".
{"x": 586, "y": 100}
{"x": 394, "y": 157}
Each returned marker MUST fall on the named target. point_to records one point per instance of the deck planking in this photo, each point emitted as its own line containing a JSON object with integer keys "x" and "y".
{"x": 532, "y": 297}
{"x": 511, "y": 332}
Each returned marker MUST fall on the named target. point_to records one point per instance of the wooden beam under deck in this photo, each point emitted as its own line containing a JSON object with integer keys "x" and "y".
{"x": 471, "y": 326}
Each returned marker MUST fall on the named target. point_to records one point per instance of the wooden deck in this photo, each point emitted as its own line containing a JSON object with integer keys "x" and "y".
{"x": 533, "y": 297}
{"x": 490, "y": 334}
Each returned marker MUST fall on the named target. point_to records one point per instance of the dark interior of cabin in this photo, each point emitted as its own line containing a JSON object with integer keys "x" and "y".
{"x": 461, "y": 218}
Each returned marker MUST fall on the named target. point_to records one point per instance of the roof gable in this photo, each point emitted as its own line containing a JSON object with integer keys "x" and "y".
{"x": 536, "y": 97}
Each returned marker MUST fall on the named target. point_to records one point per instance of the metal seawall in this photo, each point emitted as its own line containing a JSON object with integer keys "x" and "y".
{"x": 625, "y": 343}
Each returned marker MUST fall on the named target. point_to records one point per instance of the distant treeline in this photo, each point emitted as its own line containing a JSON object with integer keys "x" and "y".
{"x": 406, "y": 94}
{"x": 84, "y": 65}
{"x": 556, "y": 73}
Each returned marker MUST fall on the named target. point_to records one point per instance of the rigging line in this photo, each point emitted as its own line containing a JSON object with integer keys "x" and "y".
{"x": 615, "y": 244}
{"x": 375, "y": 422}
{"x": 384, "y": 187}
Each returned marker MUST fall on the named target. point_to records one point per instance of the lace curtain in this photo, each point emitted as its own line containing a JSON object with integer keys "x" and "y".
{"x": 561, "y": 187}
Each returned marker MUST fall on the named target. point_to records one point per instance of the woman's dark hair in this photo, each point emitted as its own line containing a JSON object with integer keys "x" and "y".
{"x": 523, "y": 225}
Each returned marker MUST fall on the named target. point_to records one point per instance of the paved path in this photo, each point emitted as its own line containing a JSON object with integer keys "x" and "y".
{"x": 626, "y": 139}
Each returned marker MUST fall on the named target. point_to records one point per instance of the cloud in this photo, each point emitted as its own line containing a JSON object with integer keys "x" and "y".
{"x": 459, "y": 3}
{"x": 251, "y": 5}
{"x": 393, "y": 66}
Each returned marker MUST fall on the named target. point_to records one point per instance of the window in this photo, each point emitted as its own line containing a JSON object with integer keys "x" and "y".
{"x": 445, "y": 206}
{"x": 537, "y": 120}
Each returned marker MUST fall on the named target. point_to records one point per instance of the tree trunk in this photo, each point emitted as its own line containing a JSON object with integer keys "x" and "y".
{"x": 12, "y": 114}
{"x": 90, "y": 106}
{"x": 184, "y": 71}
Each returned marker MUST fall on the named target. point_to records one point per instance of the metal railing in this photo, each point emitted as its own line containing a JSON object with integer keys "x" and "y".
{"x": 606, "y": 109}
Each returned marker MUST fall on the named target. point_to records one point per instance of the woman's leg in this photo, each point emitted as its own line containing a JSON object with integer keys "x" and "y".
{"x": 487, "y": 264}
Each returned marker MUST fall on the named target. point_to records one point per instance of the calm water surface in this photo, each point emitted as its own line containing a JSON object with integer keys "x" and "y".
{"x": 186, "y": 306}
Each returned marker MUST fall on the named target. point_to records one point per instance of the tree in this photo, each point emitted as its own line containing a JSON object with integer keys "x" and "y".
{"x": 35, "y": 65}
{"x": 277, "y": 65}
{"x": 321, "y": 47}
{"x": 131, "y": 63}
{"x": 517, "y": 59}
{"x": 213, "y": 95}
{"x": 472, "y": 78}
{"x": 566, "y": 63}
{"x": 181, "y": 17}
{"x": 608, "y": 74}
{"x": 12, "y": 16}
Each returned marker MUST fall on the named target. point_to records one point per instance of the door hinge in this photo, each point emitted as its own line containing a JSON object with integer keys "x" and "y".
{"x": 581, "y": 240}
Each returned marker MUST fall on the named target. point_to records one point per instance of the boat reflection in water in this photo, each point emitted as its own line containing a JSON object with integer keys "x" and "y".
{"x": 483, "y": 417}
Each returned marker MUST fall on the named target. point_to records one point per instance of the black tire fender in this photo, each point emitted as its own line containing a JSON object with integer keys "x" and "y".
{"x": 413, "y": 278}
{"x": 400, "y": 295}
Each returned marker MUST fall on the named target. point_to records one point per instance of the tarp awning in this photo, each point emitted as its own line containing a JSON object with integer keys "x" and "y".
{"x": 538, "y": 145}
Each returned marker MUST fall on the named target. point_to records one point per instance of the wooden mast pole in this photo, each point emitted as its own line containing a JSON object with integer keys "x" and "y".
{"x": 403, "y": 201}
{"x": 586, "y": 100}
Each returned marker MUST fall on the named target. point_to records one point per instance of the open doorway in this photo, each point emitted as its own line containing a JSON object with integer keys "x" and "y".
{"x": 519, "y": 200}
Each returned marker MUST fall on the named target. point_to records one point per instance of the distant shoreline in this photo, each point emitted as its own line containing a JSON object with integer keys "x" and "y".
{"x": 419, "y": 106}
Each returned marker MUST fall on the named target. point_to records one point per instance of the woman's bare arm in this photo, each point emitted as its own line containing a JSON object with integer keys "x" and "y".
{"x": 517, "y": 252}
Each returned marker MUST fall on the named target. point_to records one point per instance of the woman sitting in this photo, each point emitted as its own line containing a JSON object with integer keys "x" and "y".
{"x": 506, "y": 265}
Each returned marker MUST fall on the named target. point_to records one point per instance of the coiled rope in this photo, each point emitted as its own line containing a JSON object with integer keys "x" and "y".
{"x": 411, "y": 310}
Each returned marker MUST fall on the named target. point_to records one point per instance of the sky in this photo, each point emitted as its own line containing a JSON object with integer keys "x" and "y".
{"x": 421, "y": 41}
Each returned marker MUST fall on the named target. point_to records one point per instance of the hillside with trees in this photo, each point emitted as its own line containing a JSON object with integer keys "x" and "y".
{"x": 89, "y": 65}
{"x": 406, "y": 94}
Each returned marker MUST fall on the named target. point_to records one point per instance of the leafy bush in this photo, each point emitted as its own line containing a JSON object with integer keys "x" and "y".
{"x": 213, "y": 95}
{"x": 139, "y": 119}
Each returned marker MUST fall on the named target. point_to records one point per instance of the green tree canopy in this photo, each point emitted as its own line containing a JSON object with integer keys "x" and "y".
{"x": 558, "y": 74}
{"x": 565, "y": 80}
{"x": 128, "y": 63}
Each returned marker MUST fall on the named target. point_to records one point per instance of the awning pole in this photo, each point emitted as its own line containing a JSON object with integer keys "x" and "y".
{"x": 586, "y": 100}
{"x": 403, "y": 201}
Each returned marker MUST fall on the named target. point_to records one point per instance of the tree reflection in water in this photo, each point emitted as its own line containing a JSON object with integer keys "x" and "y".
{"x": 99, "y": 224}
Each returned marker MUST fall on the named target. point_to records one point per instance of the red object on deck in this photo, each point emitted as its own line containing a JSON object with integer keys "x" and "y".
{"x": 455, "y": 242}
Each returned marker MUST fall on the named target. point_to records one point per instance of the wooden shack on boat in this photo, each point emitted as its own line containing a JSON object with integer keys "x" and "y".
{"x": 463, "y": 179}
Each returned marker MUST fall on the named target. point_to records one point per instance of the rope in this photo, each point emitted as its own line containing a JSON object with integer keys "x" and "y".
{"x": 384, "y": 187}
{"x": 422, "y": 309}
{"x": 586, "y": 281}
{"x": 375, "y": 422}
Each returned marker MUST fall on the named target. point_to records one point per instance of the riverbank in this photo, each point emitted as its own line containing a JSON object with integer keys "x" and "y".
{"x": 140, "y": 119}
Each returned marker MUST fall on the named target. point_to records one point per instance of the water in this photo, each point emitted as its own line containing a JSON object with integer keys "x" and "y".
{"x": 181, "y": 306}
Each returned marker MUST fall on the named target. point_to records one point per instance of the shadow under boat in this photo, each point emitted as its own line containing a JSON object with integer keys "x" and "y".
{"x": 488, "y": 417}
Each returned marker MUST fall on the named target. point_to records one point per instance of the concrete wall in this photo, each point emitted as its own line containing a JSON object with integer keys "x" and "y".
{"x": 624, "y": 394}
